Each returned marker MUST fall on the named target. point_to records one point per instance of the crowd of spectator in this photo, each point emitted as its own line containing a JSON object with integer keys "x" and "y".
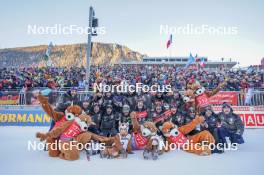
{"x": 55, "y": 77}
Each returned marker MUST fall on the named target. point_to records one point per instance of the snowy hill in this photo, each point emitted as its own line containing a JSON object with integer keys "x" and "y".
{"x": 68, "y": 55}
{"x": 16, "y": 159}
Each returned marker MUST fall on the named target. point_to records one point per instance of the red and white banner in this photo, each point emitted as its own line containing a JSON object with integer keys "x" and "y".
{"x": 221, "y": 97}
{"x": 252, "y": 116}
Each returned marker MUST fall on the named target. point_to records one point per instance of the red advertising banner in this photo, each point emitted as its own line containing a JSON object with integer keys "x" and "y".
{"x": 221, "y": 97}
{"x": 252, "y": 116}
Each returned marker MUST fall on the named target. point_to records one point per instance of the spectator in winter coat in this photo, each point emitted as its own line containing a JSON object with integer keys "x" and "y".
{"x": 189, "y": 118}
{"x": 160, "y": 115}
{"x": 85, "y": 105}
{"x": 96, "y": 116}
{"x": 67, "y": 99}
{"x": 108, "y": 124}
{"x": 177, "y": 117}
{"x": 125, "y": 115}
{"x": 142, "y": 113}
{"x": 211, "y": 121}
{"x": 230, "y": 126}
{"x": 232, "y": 85}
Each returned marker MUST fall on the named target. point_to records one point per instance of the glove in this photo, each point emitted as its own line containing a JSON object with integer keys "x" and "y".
{"x": 238, "y": 132}
{"x": 205, "y": 125}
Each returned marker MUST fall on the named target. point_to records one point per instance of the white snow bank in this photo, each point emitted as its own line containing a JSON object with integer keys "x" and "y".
{"x": 16, "y": 159}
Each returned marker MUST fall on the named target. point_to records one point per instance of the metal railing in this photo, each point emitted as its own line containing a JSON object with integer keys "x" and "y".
{"x": 28, "y": 97}
{"x": 256, "y": 100}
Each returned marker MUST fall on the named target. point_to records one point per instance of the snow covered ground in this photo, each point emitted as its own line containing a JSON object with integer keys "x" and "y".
{"x": 16, "y": 159}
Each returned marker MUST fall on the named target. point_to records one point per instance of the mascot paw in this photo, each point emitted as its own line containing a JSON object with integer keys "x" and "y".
{"x": 108, "y": 140}
{"x": 41, "y": 136}
{"x": 200, "y": 119}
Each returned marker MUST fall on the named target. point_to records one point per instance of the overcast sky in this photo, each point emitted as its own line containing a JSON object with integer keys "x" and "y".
{"x": 136, "y": 24}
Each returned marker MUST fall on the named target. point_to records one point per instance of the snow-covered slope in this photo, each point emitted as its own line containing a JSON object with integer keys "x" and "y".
{"x": 16, "y": 159}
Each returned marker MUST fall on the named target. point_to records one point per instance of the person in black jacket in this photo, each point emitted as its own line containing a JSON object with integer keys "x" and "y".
{"x": 160, "y": 115}
{"x": 85, "y": 105}
{"x": 232, "y": 85}
{"x": 67, "y": 99}
{"x": 96, "y": 116}
{"x": 211, "y": 121}
{"x": 188, "y": 118}
{"x": 176, "y": 116}
{"x": 98, "y": 98}
{"x": 230, "y": 126}
{"x": 108, "y": 124}
{"x": 142, "y": 113}
{"x": 125, "y": 116}
{"x": 130, "y": 99}
{"x": 108, "y": 99}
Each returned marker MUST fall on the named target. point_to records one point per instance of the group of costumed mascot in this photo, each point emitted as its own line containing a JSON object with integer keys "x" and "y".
{"x": 71, "y": 127}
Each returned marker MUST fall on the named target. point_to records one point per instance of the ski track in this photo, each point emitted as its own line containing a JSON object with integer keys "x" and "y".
{"x": 16, "y": 159}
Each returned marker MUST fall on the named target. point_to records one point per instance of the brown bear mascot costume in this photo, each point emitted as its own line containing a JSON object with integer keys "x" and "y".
{"x": 143, "y": 137}
{"x": 197, "y": 96}
{"x": 70, "y": 129}
{"x": 121, "y": 144}
{"x": 175, "y": 135}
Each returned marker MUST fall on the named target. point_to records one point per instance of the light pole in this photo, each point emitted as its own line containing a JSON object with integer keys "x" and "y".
{"x": 93, "y": 22}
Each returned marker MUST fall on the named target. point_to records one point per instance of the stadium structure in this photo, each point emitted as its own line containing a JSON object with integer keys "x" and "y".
{"x": 182, "y": 61}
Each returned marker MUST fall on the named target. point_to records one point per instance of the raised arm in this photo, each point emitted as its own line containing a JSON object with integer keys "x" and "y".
{"x": 48, "y": 109}
{"x": 185, "y": 129}
{"x": 135, "y": 124}
{"x": 216, "y": 90}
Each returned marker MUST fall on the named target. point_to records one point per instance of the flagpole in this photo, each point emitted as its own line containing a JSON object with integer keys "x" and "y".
{"x": 88, "y": 49}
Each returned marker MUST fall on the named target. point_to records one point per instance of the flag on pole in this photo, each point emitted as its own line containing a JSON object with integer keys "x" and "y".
{"x": 191, "y": 60}
{"x": 202, "y": 63}
{"x": 48, "y": 51}
{"x": 196, "y": 58}
{"x": 169, "y": 42}
{"x": 196, "y": 67}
